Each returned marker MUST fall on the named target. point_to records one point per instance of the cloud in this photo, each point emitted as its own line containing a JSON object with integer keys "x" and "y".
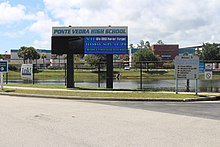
{"x": 10, "y": 14}
{"x": 42, "y": 27}
{"x": 184, "y": 21}
{"x": 14, "y": 34}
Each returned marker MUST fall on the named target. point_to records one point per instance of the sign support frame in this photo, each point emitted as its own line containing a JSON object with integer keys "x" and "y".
{"x": 70, "y": 71}
{"x": 4, "y": 69}
{"x": 196, "y": 88}
{"x": 176, "y": 88}
{"x": 1, "y": 80}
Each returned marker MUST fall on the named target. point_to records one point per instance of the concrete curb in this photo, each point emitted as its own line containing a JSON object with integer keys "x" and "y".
{"x": 211, "y": 98}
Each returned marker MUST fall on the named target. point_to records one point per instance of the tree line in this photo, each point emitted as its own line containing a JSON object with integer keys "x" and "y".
{"x": 29, "y": 54}
{"x": 210, "y": 51}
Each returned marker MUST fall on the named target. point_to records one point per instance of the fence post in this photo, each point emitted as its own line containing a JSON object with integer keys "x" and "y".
{"x": 6, "y": 78}
{"x": 140, "y": 75}
{"x": 109, "y": 71}
{"x": 187, "y": 85}
{"x": 1, "y": 76}
{"x": 99, "y": 75}
{"x": 33, "y": 75}
{"x": 65, "y": 72}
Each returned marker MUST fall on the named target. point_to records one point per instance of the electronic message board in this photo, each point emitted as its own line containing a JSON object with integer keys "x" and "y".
{"x": 90, "y": 40}
{"x": 67, "y": 44}
{"x": 106, "y": 45}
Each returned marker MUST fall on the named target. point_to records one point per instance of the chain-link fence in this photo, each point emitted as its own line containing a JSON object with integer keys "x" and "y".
{"x": 142, "y": 75}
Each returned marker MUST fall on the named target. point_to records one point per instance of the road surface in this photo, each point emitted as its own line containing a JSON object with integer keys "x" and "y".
{"x": 203, "y": 109}
{"x": 38, "y": 122}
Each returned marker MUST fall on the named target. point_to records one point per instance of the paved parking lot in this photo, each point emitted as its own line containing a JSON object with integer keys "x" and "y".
{"x": 26, "y": 122}
{"x": 203, "y": 109}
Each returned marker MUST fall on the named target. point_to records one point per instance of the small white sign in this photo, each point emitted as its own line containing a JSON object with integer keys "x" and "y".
{"x": 27, "y": 71}
{"x": 208, "y": 75}
{"x": 208, "y": 66}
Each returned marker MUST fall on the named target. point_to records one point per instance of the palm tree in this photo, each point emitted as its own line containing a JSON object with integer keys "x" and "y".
{"x": 1, "y": 56}
{"x": 27, "y": 53}
{"x": 36, "y": 58}
{"x": 22, "y": 53}
{"x": 43, "y": 56}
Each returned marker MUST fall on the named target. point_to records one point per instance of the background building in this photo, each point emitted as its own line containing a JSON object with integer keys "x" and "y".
{"x": 166, "y": 51}
{"x": 5, "y": 56}
{"x": 188, "y": 50}
{"x": 191, "y": 49}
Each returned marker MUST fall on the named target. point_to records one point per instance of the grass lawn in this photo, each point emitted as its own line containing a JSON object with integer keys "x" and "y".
{"x": 103, "y": 94}
{"x": 94, "y": 93}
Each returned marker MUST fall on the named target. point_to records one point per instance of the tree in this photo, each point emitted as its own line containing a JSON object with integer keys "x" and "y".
{"x": 160, "y": 42}
{"x": 145, "y": 55}
{"x": 22, "y": 53}
{"x": 147, "y": 44}
{"x": 142, "y": 44}
{"x": 126, "y": 57}
{"x": 27, "y": 53}
{"x": 199, "y": 53}
{"x": 43, "y": 56}
{"x": 131, "y": 45}
{"x": 37, "y": 56}
{"x": 211, "y": 51}
{"x": 95, "y": 59}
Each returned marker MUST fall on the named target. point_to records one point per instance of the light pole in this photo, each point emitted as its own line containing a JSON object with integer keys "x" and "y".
{"x": 5, "y": 54}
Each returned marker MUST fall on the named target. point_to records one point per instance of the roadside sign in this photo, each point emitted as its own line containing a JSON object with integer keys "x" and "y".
{"x": 201, "y": 67}
{"x": 208, "y": 71}
{"x": 27, "y": 71}
{"x": 3, "y": 66}
{"x": 208, "y": 66}
{"x": 186, "y": 67}
{"x": 208, "y": 75}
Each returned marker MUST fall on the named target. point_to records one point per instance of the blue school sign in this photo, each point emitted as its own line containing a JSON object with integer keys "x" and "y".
{"x": 90, "y": 40}
{"x": 3, "y": 66}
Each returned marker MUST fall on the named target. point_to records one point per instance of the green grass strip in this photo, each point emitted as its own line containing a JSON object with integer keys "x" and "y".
{"x": 103, "y": 94}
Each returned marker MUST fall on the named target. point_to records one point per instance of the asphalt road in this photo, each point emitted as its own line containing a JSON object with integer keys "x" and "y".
{"x": 39, "y": 122}
{"x": 207, "y": 109}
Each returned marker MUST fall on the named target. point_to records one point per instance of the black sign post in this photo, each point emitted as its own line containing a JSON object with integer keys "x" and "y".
{"x": 109, "y": 72}
{"x": 70, "y": 71}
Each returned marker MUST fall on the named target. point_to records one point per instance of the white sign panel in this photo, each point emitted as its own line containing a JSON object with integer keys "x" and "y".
{"x": 208, "y": 66}
{"x": 90, "y": 31}
{"x": 27, "y": 71}
{"x": 186, "y": 67}
{"x": 208, "y": 71}
{"x": 208, "y": 75}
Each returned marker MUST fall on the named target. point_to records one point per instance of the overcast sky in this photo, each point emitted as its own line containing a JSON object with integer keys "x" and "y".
{"x": 183, "y": 22}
